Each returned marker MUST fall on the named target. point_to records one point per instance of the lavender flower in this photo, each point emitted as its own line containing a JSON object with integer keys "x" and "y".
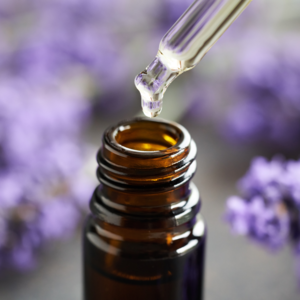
{"x": 269, "y": 210}
{"x": 266, "y": 224}
{"x": 268, "y": 93}
{"x": 40, "y": 161}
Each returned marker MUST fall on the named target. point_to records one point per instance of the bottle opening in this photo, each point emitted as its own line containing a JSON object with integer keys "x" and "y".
{"x": 146, "y": 136}
{"x": 146, "y": 154}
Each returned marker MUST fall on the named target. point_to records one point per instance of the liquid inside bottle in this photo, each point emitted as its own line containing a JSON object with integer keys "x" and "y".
{"x": 145, "y": 237}
{"x": 183, "y": 46}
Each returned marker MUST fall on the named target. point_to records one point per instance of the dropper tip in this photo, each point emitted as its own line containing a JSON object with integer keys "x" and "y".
{"x": 150, "y": 108}
{"x": 151, "y": 114}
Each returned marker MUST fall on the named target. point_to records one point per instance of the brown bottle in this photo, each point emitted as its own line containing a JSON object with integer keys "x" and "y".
{"x": 145, "y": 238}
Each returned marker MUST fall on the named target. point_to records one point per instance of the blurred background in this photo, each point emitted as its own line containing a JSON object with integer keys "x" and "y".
{"x": 66, "y": 73}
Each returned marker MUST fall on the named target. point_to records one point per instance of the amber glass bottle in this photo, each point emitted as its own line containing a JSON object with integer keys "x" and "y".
{"x": 145, "y": 238}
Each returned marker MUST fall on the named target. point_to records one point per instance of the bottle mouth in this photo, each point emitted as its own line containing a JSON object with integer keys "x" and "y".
{"x": 142, "y": 136}
{"x": 143, "y": 152}
{"x": 146, "y": 135}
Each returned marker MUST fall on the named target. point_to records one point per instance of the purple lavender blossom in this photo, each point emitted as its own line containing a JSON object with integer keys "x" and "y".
{"x": 266, "y": 224}
{"x": 268, "y": 211}
{"x": 238, "y": 215}
{"x": 268, "y": 92}
{"x": 263, "y": 178}
{"x": 40, "y": 161}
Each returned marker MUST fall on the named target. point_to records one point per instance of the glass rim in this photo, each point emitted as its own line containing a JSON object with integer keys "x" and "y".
{"x": 182, "y": 142}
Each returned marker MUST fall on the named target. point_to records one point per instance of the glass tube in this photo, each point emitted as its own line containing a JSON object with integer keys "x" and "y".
{"x": 183, "y": 46}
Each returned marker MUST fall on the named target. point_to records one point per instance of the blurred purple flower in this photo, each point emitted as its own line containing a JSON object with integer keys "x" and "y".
{"x": 269, "y": 210}
{"x": 264, "y": 223}
{"x": 238, "y": 215}
{"x": 58, "y": 219}
{"x": 263, "y": 178}
{"x": 268, "y": 93}
{"x": 40, "y": 154}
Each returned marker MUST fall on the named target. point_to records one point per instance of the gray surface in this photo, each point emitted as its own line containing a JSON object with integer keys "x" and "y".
{"x": 235, "y": 268}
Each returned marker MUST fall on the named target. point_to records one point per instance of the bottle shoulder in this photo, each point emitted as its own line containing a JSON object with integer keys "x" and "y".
{"x": 145, "y": 244}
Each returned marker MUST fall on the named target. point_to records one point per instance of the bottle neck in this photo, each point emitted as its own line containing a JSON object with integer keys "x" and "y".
{"x": 142, "y": 186}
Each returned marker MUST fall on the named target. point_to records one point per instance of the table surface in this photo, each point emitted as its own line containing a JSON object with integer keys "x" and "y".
{"x": 235, "y": 268}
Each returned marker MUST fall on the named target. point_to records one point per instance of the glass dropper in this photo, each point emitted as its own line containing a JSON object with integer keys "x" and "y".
{"x": 183, "y": 46}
